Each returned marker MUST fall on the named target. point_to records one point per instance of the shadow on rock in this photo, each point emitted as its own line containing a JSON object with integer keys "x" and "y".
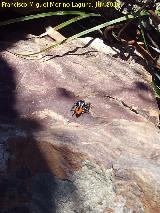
{"x": 27, "y": 182}
{"x": 29, "y": 170}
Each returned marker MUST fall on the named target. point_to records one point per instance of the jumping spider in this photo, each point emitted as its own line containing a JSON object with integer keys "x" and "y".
{"x": 80, "y": 107}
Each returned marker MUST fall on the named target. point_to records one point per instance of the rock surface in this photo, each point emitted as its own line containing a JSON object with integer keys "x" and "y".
{"x": 105, "y": 161}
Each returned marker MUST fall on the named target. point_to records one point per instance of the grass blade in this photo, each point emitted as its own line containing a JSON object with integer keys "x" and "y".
{"x": 106, "y": 24}
{"x": 64, "y": 24}
{"x": 156, "y": 89}
{"x": 143, "y": 35}
{"x": 43, "y": 15}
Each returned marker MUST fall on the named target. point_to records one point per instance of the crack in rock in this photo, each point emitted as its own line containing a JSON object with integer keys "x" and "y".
{"x": 138, "y": 112}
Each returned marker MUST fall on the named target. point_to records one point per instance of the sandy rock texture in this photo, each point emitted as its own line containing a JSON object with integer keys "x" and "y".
{"x": 107, "y": 161}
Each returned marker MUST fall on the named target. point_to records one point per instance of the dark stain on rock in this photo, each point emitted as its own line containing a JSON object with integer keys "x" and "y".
{"x": 32, "y": 182}
{"x": 142, "y": 86}
{"x": 62, "y": 92}
{"x": 25, "y": 161}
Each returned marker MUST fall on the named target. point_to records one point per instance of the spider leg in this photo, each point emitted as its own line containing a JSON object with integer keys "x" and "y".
{"x": 73, "y": 113}
{"x": 73, "y": 108}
